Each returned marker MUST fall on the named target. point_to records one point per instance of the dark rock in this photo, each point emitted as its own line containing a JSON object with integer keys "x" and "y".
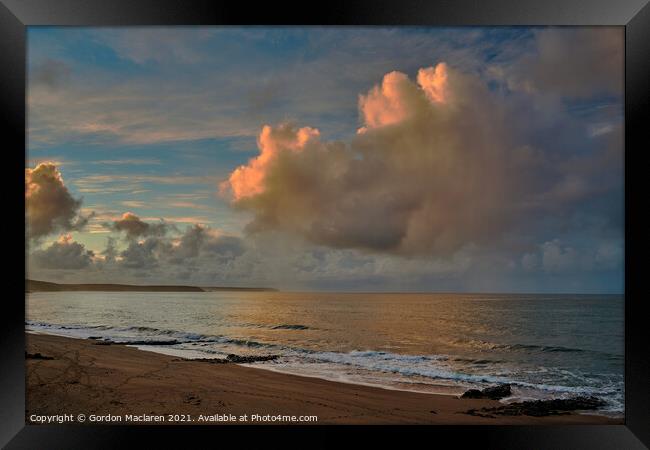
{"x": 285, "y": 326}
{"x": 235, "y": 359}
{"x": 249, "y": 359}
{"x": 493, "y": 393}
{"x": 472, "y": 393}
{"x": 36, "y": 356}
{"x": 206, "y": 360}
{"x": 540, "y": 408}
{"x": 109, "y": 342}
{"x": 152, "y": 342}
{"x": 498, "y": 392}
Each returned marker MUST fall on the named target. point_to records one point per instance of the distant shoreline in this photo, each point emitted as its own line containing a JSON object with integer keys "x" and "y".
{"x": 46, "y": 286}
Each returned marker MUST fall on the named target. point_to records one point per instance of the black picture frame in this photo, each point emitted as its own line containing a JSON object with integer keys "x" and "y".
{"x": 634, "y": 15}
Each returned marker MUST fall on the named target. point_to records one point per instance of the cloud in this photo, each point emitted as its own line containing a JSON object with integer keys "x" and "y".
{"x": 201, "y": 239}
{"x": 156, "y": 179}
{"x": 203, "y": 245}
{"x": 556, "y": 256}
{"x": 129, "y": 162}
{"x": 159, "y": 45}
{"x": 134, "y": 227}
{"x": 437, "y": 164}
{"x": 245, "y": 77}
{"x": 188, "y": 205}
{"x": 573, "y": 62}
{"x": 133, "y": 203}
{"x": 249, "y": 180}
{"x": 205, "y": 256}
{"x": 110, "y": 253}
{"x": 240, "y": 84}
{"x": 49, "y": 205}
{"x": 455, "y": 172}
{"x": 141, "y": 255}
{"x": 131, "y": 111}
{"x": 136, "y": 183}
{"x": 225, "y": 246}
{"x": 197, "y": 246}
{"x": 530, "y": 261}
{"x": 63, "y": 254}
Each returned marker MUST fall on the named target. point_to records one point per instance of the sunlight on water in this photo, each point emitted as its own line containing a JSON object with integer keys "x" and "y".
{"x": 547, "y": 345}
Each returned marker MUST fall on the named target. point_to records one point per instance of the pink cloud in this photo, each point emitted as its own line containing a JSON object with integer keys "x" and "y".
{"x": 246, "y": 181}
{"x": 436, "y": 166}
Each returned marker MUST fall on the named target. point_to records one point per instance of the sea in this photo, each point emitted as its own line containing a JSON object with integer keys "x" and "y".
{"x": 545, "y": 346}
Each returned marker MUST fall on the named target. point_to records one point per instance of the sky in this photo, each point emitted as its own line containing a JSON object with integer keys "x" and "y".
{"x": 327, "y": 158}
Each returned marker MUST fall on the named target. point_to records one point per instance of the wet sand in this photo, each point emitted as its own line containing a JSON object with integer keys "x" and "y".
{"x": 83, "y": 377}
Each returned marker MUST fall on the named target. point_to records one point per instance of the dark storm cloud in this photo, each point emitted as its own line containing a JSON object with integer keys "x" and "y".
{"x": 134, "y": 227}
{"x": 200, "y": 241}
{"x": 63, "y": 254}
{"x": 198, "y": 245}
{"x": 142, "y": 255}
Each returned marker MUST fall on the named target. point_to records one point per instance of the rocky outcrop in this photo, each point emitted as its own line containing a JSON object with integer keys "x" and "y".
{"x": 250, "y": 359}
{"x": 493, "y": 393}
{"x": 540, "y": 408}
{"x": 234, "y": 359}
{"x": 100, "y": 341}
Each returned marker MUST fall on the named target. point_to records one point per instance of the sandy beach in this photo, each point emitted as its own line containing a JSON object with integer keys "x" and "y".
{"x": 77, "y": 376}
